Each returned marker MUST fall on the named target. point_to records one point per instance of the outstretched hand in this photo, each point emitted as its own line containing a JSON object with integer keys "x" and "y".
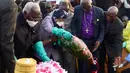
{"x": 117, "y": 61}
{"x": 97, "y": 44}
{"x": 53, "y": 38}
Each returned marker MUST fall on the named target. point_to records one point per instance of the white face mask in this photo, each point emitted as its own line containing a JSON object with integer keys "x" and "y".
{"x": 31, "y": 23}
{"x": 60, "y": 23}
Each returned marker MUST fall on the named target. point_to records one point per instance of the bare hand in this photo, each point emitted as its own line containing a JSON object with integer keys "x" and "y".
{"x": 117, "y": 60}
{"x": 53, "y": 38}
{"x": 97, "y": 44}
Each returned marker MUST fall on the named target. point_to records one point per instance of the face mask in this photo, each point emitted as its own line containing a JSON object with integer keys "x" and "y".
{"x": 60, "y": 23}
{"x": 32, "y": 23}
{"x": 50, "y": 14}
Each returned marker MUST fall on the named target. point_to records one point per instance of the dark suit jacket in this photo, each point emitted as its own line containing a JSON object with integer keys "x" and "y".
{"x": 25, "y": 37}
{"x": 98, "y": 16}
{"x": 113, "y": 37}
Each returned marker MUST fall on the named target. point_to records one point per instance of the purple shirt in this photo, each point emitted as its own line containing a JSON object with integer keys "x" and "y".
{"x": 87, "y": 23}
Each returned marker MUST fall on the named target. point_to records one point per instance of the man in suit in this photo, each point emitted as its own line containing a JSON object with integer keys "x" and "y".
{"x": 87, "y": 24}
{"x": 112, "y": 41}
{"x": 8, "y": 12}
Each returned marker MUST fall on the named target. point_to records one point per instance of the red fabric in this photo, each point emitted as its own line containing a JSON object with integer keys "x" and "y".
{"x": 96, "y": 60}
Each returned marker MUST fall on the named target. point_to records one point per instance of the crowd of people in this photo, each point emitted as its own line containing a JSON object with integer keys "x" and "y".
{"x": 99, "y": 23}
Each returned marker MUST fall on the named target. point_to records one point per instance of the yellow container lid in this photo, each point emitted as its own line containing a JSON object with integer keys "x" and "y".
{"x": 25, "y": 65}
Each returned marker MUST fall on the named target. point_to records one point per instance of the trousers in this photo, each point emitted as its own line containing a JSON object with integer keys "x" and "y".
{"x": 8, "y": 12}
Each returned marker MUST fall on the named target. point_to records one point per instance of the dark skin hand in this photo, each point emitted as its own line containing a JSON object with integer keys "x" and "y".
{"x": 52, "y": 39}
{"x": 117, "y": 60}
{"x": 97, "y": 44}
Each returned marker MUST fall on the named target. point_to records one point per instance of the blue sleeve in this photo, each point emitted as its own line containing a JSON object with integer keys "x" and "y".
{"x": 73, "y": 23}
{"x": 124, "y": 44}
{"x": 39, "y": 49}
{"x": 128, "y": 58}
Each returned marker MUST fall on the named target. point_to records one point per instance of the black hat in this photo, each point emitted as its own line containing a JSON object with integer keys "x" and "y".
{"x": 58, "y": 13}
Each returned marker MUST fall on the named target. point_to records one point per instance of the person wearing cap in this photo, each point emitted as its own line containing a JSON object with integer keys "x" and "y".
{"x": 87, "y": 24}
{"x": 69, "y": 11}
{"x": 59, "y": 16}
{"x": 113, "y": 40}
